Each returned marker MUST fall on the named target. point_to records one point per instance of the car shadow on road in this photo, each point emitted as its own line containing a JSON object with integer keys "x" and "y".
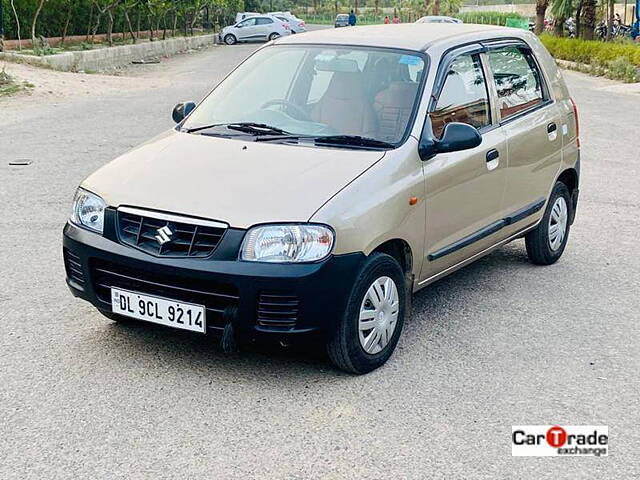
{"x": 146, "y": 342}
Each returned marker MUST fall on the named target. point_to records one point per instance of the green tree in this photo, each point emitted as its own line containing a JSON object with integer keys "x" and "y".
{"x": 561, "y": 10}
{"x": 541, "y": 10}
{"x": 588, "y": 19}
{"x": 34, "y": 23}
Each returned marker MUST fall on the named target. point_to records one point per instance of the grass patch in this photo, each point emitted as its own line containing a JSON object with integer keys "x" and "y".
{"x": 616, "y": 60}
{"x": 592, "y": 52}
{"x": 9, "y": 86}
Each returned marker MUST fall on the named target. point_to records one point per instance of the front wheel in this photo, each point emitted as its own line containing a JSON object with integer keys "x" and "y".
{"x": 230, "y": 39}
{"x": 369, "y": 330}
{"x": 546, "y": 243}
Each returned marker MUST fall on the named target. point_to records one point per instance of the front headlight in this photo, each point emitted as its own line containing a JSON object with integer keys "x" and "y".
{"x": 88, "y": 210}
{"x": 287, "y": 243}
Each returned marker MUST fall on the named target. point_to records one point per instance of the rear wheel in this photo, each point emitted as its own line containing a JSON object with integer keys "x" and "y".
{"x": 230, "y": 39}
{"x": 370, "y": 328}
{"x": 274, "y": 35}
{"x": 546, "y": 243}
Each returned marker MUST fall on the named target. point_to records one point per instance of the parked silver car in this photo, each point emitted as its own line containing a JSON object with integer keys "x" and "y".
{"x": 438, "y": 19}
{"x": 297, "y": 25}
{"x": 259, "y": 28}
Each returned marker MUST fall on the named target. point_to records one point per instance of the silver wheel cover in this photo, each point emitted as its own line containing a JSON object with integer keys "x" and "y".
{"x": 378, "y": 315}
{"x": 558, "y": 223}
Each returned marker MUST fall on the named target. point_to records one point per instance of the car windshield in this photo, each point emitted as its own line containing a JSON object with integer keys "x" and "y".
{"x": 318, "y": 91}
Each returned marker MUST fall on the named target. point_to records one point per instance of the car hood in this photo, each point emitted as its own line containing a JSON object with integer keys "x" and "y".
{"x": 237, "y": 182}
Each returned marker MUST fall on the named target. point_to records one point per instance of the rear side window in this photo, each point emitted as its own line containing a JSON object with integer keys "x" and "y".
{"x": 463, "y": 97}
{"x": 518, "y": 80}
{"x": 264, "y": 21}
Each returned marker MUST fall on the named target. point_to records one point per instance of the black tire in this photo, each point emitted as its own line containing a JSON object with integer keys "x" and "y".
{"x": 344, "y": 348}
{"x": 230, "y": 39}
{"x": 273, "y": 36}
{"x": 539, "y": 249}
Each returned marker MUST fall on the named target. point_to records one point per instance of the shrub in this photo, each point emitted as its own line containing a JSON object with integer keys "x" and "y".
{"x": 591, "y": 52}
{"x": 616, "y": 60}
{"x": 622, "y": 69}
{"x": 8, "y": 85}
{"x": 488, "y": 18}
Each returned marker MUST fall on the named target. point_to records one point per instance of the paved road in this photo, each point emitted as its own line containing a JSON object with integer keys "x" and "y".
{"x": 499, "y": 343}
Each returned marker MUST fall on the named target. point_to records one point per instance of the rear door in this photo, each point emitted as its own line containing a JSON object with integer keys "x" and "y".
{"x": 532, "y": 121}
{"x": 264, "y": 28}
{"x": 463, "y": 189}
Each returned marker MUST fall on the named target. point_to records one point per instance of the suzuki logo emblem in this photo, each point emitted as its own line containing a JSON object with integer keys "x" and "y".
{"x": 164, "y": 235}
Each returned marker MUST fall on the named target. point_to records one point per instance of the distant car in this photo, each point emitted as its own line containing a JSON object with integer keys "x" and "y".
{"x": 242, "y": 15}
{"x": 258, "y": 28}
{"x": 297, "y": 25}
{"x": 342, "y": 20}
{"x": 438, "y": 19}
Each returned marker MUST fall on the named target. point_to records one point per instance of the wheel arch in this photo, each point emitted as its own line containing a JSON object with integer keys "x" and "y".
{"x": 570, "y": 177}
{"x": 400, "y": 250}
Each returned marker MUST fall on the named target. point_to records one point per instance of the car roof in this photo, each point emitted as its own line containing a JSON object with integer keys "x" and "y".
{"x": 409, "y": 36}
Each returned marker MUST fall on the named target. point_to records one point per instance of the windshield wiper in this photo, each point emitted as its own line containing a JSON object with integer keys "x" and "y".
{"x": 246, "y": 127}
{"x": 348, "y": 140}
{"x": 355, "y": 140}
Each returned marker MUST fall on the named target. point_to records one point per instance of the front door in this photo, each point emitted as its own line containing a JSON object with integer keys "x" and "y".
{"x": 463, "y": 189}
{"x": 247, "y": 29}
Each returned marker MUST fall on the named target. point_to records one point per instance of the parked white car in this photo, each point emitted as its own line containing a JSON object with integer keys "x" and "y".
{"x": 438, "y": 19}
{"x": 297, "y": 24}
{"x": 258, "y": 28}
{"x": 242, "y": 15}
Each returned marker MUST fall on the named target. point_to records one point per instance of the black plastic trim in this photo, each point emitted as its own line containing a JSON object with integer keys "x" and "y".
{"x": 322, "y": 288}
{"x": 525, "y": 212}
{"x": 490, "y": 229}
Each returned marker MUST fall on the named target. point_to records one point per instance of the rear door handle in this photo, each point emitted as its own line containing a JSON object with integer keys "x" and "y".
{"x": 552, "y": 127}
{"x": 492, "y": 155}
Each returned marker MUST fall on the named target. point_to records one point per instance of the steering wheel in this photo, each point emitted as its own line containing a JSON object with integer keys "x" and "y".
{"x": 302, "y": 115}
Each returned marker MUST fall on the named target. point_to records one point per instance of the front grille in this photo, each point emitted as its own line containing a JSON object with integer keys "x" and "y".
{"x": 74, "y": 267}
{"x": 277, "y": 310}
{"x": 216, "y": 297}
{"x": 166, "y": 235}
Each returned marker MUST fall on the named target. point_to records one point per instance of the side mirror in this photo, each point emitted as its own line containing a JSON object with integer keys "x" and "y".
{"x": 455, "y": 137}
{"x": 181, "y": 110}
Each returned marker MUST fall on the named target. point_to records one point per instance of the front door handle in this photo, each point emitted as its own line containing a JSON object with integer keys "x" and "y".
{"x": 493, "y": 159}
{"x": 492, "y": 155}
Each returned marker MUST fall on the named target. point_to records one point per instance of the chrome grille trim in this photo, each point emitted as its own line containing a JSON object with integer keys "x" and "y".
{"x": 168, "y": 217}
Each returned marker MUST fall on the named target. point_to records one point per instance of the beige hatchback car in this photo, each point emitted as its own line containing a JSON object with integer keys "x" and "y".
{"x": 328, "y": 178}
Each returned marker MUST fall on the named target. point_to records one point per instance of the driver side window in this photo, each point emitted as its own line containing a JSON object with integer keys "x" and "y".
{"x": 249, "y": 22}
{"x": 464, "y": 97}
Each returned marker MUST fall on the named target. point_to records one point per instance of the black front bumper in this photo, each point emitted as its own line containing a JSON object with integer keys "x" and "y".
{"x": 260, "y": 299}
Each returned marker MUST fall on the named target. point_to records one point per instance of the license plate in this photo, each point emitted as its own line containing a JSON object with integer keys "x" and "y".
{"x": 185, "y": 316}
